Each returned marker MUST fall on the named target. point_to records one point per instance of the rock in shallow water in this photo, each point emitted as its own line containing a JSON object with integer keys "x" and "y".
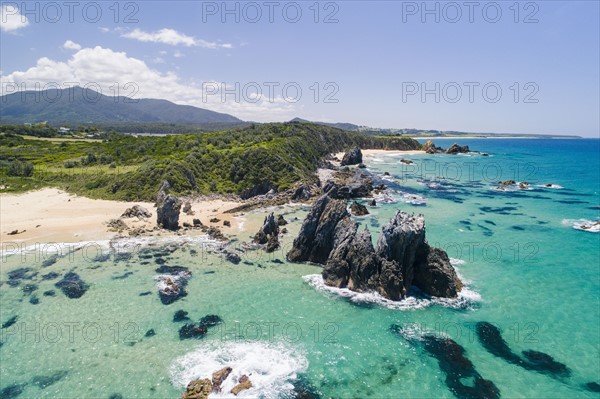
{"x": 198, "y": 389}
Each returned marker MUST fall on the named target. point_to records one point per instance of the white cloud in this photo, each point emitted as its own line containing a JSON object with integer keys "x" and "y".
{"x": 100, "y": 68}
{"x": 11, "y": 19}
{"x": 173, "y": 38}
{"x": 178, "y": 54}
{"x": 71, "y": 45}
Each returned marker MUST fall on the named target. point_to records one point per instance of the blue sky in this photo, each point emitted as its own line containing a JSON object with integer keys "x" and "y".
{"x": 369, "y": 62}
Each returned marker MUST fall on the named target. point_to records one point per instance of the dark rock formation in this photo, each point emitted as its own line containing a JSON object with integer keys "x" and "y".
{"x": 373, "y": 202}
{"x": 302, "y": 193}
{"x": 136, "y": 211}
{"x": 402, "y": 257}
{"x": 358, "y": 209}
{"x": 349, "y": 184}
{"x": 197, "y": 222}
{"x": 434, "y": 275}
{"x": 406, "y": 161}
{"x": 214, "y": 220}
{"x": 258, "y": 189}
{"x": 281, "y": 220}
{"x": 72, "y": 285}
{"x": 457, "y": 149}
{"x": 167, "y": 212}
{"x": 180, "y": 315}
{"x": 226, "y": 223}
{"x": 352, "y": 157}
{"x": 269, "y": 228}
{"x": 162, "y": 192}
{"x": 232, "y": 257}
{"x": 199, "y": 330}
{"x": 327, "y": 221}
{"x": 117, "y": 225}
{"x": 172, "y": 281}
{"x": 362, "y": 166}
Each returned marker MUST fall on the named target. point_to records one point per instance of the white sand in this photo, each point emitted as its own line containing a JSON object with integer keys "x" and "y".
{"x": 50, "y": 215}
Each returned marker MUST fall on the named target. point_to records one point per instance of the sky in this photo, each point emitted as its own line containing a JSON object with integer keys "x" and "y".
{"x": 504, "y": 66}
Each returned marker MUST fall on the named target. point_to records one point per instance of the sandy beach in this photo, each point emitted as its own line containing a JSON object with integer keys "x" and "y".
{"x": 50, "y": 215}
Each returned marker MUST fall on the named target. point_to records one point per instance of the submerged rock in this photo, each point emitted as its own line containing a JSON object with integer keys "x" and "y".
{"x": 167, "y": 213}
{"x": 180, "y": 315}
{"x": 490, "y": 337}
{"x": 72, "y": 285}
{"x": 200, "y": 329}
{"x": 402, "y": 257}
{"x": 352, "y": 157}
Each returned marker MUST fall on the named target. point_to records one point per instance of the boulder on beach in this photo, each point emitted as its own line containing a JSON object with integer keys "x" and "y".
{"x": 352, "y": 157}
{"x": 136, "y": 211}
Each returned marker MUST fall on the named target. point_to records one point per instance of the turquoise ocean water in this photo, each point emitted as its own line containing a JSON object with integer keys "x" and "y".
{"x": 528, "y": 271}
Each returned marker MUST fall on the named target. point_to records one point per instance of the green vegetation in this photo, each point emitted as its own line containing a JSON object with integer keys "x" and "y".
{"x": 132, "y": 168}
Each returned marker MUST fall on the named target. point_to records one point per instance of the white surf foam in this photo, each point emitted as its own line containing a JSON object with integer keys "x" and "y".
{"x": 269, "y": 365}
{"x": 553, "y": 186}
{"x": 466, "y": 298}
{"x": 591, "y": 226}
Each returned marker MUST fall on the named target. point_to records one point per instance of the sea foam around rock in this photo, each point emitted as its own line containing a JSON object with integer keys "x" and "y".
{"x": 270, "y": 365}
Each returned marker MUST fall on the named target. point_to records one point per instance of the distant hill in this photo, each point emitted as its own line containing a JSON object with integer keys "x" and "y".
{"x": 73, "y": 106}
{"x": 421, "y": 133}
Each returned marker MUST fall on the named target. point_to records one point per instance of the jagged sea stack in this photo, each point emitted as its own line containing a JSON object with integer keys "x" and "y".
{"x": 168, "y": 207}
{"x": 401, "y": 259}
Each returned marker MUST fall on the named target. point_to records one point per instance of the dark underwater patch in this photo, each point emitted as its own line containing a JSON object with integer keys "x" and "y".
{"x": 491, "y": 339}
{"x": 50, "y": 276}
{"x": 45, "y": 381}
{"x": 122, "y": 276}
{"x": 519, "y": 228}
{"x": 10, "y": 322}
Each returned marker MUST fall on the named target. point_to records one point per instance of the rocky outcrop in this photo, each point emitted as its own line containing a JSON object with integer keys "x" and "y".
{"x": 358, "y": 209}
{"x": 162, "y": 192}
{"x": 430, "y": 148}
{"x": 218, "y": 377}
{"x": 198, "y": 389}
{"x": 457, "y": 149}
{"x": 187, "y": 208}
{"x": 243, "y": 384}
{"x": 435, "y": 275}
{"x": 258, "y": 189}
{"x": 352, "y": 157}
{"x": 269, "y": 228}
{"x": 325, "y": 226}
{"x": 281, "y": 220}
{"x": 349, "y": 184}
{"x": 136, "y": 211}
{"x": 401, "y": 259}
{"x": 168, "y": 212}
{"x": 268, "y": 233}
{"x": 302, "y": 193}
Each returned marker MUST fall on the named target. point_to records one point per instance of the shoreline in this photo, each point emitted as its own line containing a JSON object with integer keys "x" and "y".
{"x": 50, "y": 215}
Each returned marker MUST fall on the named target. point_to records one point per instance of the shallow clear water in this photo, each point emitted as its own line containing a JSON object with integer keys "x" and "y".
{"x": 528, "y": 272}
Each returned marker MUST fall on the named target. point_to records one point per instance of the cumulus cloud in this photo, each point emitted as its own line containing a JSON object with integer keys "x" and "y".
{"x": 100, "y": 68}
{"x": 173, "y": 38}
{"x": 11, "y": 18}
{"x": 71, "y": 45}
